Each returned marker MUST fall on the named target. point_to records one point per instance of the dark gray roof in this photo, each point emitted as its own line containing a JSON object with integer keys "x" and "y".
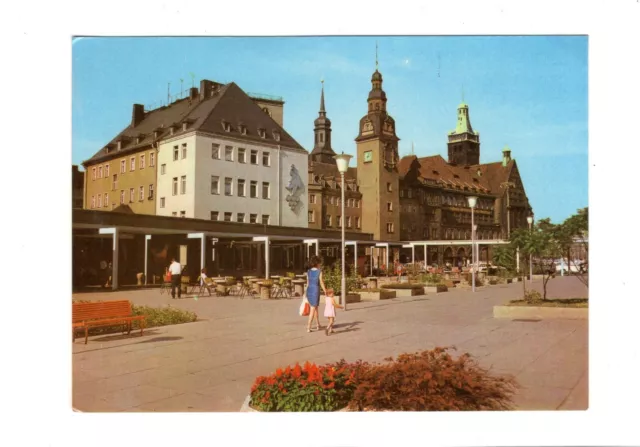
{"x": 231, "y": 104}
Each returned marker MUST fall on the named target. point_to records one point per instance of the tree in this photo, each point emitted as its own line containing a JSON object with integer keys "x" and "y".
{"x": 503, "y": 256}
{"x": 542, "y": 244}
{"x": 575, "y": 231}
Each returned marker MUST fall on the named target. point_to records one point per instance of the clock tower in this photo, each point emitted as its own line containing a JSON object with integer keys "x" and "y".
{"x": 464, "y": 144}
{"x": 378, "y": 178}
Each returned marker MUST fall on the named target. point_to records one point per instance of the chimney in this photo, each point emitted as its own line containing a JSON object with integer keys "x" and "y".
{"x": 506, "y": 156}
{"x": 193, "y": 93}
{"x": 205, "y": 89}
{"x": 137, "y": 115}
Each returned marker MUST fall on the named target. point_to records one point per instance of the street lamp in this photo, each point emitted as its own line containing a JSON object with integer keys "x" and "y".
{"x": 342, "y": 161}
{"x": 472, "y": 204}
{"x": 530, "y": 221}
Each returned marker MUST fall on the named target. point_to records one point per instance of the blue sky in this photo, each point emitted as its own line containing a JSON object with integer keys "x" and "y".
{"x": 527, "y": 92}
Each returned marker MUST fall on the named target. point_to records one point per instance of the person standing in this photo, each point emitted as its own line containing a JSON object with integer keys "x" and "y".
{"x": 314, "y": 284}
{"x": 175, "y": 269}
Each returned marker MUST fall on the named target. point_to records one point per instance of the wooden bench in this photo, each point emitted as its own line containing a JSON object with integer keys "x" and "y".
{"x": 106, "y": 313}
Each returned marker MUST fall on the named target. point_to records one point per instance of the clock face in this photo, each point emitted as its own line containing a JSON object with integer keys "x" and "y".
{"x": 368, "y": 157}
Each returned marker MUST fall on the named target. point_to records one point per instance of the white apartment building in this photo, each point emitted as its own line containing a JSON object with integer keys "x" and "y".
{"x": 231, "y": 162}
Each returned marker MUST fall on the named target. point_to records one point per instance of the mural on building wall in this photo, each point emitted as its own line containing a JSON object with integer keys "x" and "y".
{"x": 296, "y": 190}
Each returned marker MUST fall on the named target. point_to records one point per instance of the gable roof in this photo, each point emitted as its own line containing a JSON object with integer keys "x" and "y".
{"x": 230, "y": 104}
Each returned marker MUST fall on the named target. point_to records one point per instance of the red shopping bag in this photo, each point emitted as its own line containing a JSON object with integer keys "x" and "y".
{"x": 306, "y": 310}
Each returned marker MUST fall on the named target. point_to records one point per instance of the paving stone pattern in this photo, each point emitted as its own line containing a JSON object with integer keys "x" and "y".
{"x": 210, "y": 365}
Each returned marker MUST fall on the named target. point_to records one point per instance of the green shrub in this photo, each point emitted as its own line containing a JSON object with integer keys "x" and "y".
{"x": 432, "y": 381}
{"x": 332, "y": 277}
{"x": 155, "y": 316}
{"x": 431, "y": 278}
{"x": 402, "y": 286}
{"x": 532, "y": 296}
{"x": 307, "y": 388}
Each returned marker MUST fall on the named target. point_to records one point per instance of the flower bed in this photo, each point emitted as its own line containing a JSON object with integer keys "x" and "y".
{"x": 424, "y": 381}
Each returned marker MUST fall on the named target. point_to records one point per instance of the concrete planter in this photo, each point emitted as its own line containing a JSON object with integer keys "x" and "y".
{"x": 435, "y": 289}
{"x": 408, "y": 292}
{"x": 539, "y": 312}
{"x": 375, "y": 296}
{"x": 373, "y": 282}
{"x": 246, "y": 408}
{"x": 353, "y": 298}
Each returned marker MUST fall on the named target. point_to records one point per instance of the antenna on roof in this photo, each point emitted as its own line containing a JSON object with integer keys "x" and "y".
{"x": 181, "y": 89}
{"x": 168, "y": 94}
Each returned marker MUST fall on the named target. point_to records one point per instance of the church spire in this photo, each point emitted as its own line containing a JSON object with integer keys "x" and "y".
{"x": 322, "y": 151}
{"x": 323, "y": 112}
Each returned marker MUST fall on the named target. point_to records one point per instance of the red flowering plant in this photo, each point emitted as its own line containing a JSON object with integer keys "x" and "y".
{"x": 307, "y": 388}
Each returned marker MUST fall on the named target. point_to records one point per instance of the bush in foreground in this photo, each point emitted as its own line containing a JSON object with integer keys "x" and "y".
{"x": 432, "y": 381}
{"x": 424, "y": 381}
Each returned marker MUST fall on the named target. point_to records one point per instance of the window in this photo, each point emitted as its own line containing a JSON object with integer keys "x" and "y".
{"x": 266, "y": 159}
{"x": 339, "y": 221}
{"x": 253, "y": 189}
{"x": 151, "y": 191}
{"x": 227, "y": 217}
{"x": 215, "y": 151}
{"x": 357, "y": 222}
{"x": 402, "y": 193}
{"x": 265, "y": 190}
{"x": 389, "y": 228}
{"x": 152, "y": 159}
{"x": 100, "y": 172}
{"x": 215, "y": 184}
{"x": 106, "y": 171}
{"x": 141, "y": 194}
{"x": 174, "y": 214}
{"x": 133, "y": 164}
{"x": 410, "y": 193}
{"x": 99, "y": 200}
{"x": 242, "y": 155}
{"x": 174, "y": 186}
{"x": 228, "y": 186}
{"x": 115, "y": 182}
{"x": 142, "y": 161}
{"x": 132, "y": 195}
{"x": 358, "y": 203}
{"x": 253, "y": 218}
{"x": 184, "y": 150}
{"x": 312, "y": 198}
{"x": 348, "y": 221}
{"x": 183, "y": 184}
{"x": 228, "y": 153}
{"x": 123, "y": 166}
{"x": 240, "y": 217}
{"x": 389, "y": 189}
{"x": 265, "y": 219}
{"x": 241, "y": 188}
{"x": 327, "y": 220}
{"x": 122, "y": 196}
{"x": 163, "y": 169}
{"x": 93, "y": 174}
{"x": 183, "y": 214}
{"x": 161, "y": 202}
{"x": 389, "y": 206}
{"x": 215, "y": 215}
{"x": 254, "y": 157}
{"x": 106, "y": 199}
{"x": 312, "y": 217}
{"x": 175, "y": 153}
{"x": 332, "y": 200}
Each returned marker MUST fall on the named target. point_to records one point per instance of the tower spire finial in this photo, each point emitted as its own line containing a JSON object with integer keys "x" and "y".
{"x": 376, "y": 55}
{"x": 322, "y": 110}
{"x": 462, "y": 92}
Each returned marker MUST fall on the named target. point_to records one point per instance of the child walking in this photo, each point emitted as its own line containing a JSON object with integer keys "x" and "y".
{"x": 330, "y": 310}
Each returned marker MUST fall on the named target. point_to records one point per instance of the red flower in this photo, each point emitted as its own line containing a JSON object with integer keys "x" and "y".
{"x": 316, "y": 392}
{"x": 297, "y": 371}
{"x": 278, "y": 372}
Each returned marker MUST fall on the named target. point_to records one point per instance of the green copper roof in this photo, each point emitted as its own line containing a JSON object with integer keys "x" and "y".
{"x": 464, "y": 124}
{"x": 506, "y": 149}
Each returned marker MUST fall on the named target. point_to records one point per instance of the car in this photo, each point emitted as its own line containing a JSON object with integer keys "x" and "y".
{"x": 563, "y": 264}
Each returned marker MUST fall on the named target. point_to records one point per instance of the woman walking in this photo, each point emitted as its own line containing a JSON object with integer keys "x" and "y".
{"x": 314, "y": 284}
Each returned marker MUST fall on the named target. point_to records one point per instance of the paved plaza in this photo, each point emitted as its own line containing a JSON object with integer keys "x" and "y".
{"x": 210, "y": 365}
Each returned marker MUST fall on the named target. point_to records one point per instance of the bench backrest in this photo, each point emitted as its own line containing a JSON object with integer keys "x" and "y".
{"x": 104, "y": 309}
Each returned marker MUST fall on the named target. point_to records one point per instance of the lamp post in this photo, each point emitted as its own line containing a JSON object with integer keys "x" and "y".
{"x": 342, "y": 161}
{"x": 530, "y": 222}
{"x": 472, "y": 204}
